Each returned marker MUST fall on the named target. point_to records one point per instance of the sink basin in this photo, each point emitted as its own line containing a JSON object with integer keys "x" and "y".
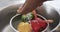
{"x": 8, "y": 12}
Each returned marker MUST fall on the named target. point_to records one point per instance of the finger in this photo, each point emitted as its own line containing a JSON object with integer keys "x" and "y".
{"x": 49, "y": 21}
{"x": 19, "y": 10}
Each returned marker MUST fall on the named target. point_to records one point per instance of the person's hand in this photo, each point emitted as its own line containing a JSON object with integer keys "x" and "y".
{"x": 30, "y": 5}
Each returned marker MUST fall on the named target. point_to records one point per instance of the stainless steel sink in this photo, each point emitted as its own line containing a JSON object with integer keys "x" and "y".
{"x": 8, "y": 12}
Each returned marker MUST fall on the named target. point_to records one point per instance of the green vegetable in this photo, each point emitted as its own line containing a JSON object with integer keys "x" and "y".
{"x": 30, "y": 15}
{"x": 27, "y": 17}
{"x": 24, "y": 17}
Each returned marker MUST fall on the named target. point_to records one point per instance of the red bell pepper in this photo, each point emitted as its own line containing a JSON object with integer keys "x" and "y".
{"x": 38, "y": 24}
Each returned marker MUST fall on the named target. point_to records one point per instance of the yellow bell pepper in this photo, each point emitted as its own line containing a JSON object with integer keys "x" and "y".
{"x": 24, "y": 27}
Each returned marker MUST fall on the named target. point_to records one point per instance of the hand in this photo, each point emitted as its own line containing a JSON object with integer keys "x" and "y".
{"x": 30, "y": 5}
